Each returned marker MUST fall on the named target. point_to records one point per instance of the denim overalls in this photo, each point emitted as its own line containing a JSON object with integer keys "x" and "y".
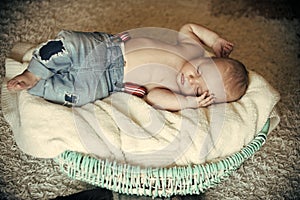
{"x": 77, "y": 68}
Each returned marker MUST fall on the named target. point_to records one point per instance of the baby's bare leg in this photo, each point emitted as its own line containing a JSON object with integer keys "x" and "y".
{"x": 24, "y": 81}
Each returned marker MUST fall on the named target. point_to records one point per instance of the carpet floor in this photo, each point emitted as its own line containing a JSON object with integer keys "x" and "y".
{"x": 266, "y": 38}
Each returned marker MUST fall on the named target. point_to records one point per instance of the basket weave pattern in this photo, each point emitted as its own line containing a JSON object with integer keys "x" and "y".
{"x": 156, "y": 182}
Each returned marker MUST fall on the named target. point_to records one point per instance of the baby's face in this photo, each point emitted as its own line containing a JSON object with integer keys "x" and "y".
{"x": 190, "y": 80}
{"x": 201, "y": 75}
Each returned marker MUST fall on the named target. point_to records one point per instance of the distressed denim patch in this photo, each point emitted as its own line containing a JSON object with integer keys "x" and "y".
{"x": 50, "y": 49}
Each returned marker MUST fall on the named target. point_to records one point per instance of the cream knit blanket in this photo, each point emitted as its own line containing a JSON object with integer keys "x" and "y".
{"x": 126, "y": 129}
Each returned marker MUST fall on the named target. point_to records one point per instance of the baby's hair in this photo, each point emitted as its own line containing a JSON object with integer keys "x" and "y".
{"x": 235, "y": 79}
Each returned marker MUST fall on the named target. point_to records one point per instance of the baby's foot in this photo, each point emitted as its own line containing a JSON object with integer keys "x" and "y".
{"x": 24, "y": 81}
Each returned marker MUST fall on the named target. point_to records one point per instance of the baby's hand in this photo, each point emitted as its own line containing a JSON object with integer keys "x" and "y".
{"x": 222, "y": 48}
{"x": 203, "y": 100}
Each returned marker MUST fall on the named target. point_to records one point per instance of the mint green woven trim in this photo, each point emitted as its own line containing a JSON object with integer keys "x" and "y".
{"x": 156, "y": 182}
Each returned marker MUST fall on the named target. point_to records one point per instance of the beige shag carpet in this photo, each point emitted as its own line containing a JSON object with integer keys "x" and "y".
{"x": 266, "y": 38}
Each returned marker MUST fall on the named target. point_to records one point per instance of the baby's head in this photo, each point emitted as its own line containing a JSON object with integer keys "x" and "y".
{"x": 235, "y": 77}
{"x": 226, "y": 78}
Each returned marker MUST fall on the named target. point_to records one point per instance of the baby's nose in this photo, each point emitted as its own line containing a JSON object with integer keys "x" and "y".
{"x": 193, "y": 79}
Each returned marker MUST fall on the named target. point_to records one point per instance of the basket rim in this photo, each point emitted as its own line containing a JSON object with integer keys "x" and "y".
{"x": 156, "y": 182}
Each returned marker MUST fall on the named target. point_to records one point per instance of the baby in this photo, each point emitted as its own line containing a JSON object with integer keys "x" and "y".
{"x": 77, "y": 68}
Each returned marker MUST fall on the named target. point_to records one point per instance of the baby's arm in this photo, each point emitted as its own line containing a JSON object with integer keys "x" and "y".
{"x": 167, "y": 100}
{"x": 202, "y": 35}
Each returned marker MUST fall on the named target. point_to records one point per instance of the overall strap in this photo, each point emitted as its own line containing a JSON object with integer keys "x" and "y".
{"x": 134, "y": 89}
{"x": 124, "y": 36}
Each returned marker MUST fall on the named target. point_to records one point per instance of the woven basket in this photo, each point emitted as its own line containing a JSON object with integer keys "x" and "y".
{"x": 156, "y": 182}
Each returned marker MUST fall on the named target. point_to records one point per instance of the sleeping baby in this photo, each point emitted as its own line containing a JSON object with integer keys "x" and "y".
{"x": 77, "y": 68}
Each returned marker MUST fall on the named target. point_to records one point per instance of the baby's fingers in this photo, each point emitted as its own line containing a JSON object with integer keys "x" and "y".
{"x": 229, "y": 45}
{"x": 205, "y": 100}
{"x": 208, "y": 101}
{"x": 226, "y": 51}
